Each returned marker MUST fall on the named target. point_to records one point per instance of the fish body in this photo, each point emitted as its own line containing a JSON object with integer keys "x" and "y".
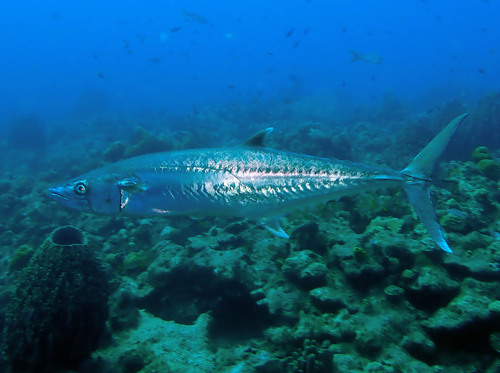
{"x": 250, "y": 181}
{"x": 243, "y": 182}
{"x": 372, "y": 58}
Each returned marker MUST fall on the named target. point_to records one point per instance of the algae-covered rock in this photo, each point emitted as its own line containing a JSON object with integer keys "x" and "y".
{"x": 115, "y": 152}
{"x": 314, "y": 275}
{"x": 315, "y": 327}
{"x": 494, "y": 308}
{"x": 489, "y": 168}
{"x": 327, "y": 299}
{"x": 480, "y": 153}
{"x": 386, "y": 239}
{"x": 163, "y": 346}
{"x": 145, "y": 142}
{"x": 60, "y": 306}
{"x": 312, "y": 357}
{"x": 431, "y": 288}
{"x": 135, "y": 262}
{"x": 216, "y": 239}
{"x": 363, "y": 274}
{"x": 184, "y": 283}
{"x": 396, "y": 358}
{"x": 309, "y": 237}
{"x": 370, "y": 340}
{"x": 477, "y": 263}
{"x": 344, "y": 362}
{"x": 453, "y": 222}
{"x": 495, "y": 341}
{"x": 305, "y": 268}
{"x": 418, "y": 344}
{"x": 392, "y": 224}
{"x": 467, "y": 321}
{"x": 134, "y": 361}
{"x": 21, "y": 257}
{"x": 360, "y": 254}
{"x": 474, "y": 241}
{"x": 124, "y": 313}
{"x": 462, "y": 314}
{"x": 394, "y": 293}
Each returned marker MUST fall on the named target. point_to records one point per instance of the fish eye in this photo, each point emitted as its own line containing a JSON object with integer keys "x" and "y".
{"x": 80, "y": 188}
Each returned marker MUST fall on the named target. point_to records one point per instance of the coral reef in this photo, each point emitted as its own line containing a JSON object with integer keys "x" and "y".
{"x": 359, "y": 286}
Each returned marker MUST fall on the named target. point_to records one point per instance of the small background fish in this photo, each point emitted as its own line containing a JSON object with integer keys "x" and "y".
{"x": 368, "y": 58}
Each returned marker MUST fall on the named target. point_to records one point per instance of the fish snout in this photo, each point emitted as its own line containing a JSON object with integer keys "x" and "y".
{"x": 57, "y": 193}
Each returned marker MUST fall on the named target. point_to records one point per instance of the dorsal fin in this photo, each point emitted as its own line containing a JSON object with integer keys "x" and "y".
{"x": 258, "y": 138}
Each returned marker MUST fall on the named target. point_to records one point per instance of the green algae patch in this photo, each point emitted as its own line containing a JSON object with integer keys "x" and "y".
{"x": 394, "y": 293}
{"x": 480, "y": 153}
{"x": 453, "y": 222}
{"x": 489, "y": 168}
{"x": 136, "y": 262}
{"x": 392, "y": 224}
{"x": 21, "y": 258}
{"x": 360, "y": 254}
{"x": 115, "y": 151}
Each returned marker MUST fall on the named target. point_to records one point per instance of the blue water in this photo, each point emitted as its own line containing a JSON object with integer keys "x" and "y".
{"x": 134, "y": 57}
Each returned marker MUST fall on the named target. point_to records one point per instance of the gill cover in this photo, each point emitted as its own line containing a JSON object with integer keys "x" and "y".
{"x": 103, "y": 197}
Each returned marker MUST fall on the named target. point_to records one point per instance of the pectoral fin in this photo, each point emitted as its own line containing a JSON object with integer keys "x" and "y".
{"x": 273, "y": 226}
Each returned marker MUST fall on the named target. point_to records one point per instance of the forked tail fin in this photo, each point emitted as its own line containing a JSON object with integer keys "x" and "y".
{"x": 420, "y": 170}
{"x": 355, "y": 56}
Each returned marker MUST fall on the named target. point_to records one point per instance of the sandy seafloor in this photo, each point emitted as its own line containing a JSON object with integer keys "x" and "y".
{"x": 359, "y": 286}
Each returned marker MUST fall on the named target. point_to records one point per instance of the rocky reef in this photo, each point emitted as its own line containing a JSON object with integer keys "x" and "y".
{"x": 359, "y": 286}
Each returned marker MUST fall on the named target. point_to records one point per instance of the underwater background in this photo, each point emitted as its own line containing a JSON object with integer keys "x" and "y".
{"x": 358, "y": 287}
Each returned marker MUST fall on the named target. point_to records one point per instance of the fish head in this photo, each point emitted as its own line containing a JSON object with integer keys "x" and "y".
{"x": 98, "y": 195}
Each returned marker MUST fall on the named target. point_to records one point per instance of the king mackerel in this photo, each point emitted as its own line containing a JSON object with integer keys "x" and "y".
{"x": 249, "y": 181}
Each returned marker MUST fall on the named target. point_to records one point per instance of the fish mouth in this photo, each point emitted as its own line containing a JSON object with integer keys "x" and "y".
{"x": 56, "y": 194}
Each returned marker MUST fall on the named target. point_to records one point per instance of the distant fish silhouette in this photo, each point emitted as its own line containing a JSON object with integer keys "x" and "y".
{"x": 368, "y": 58}
{"x": 190, "y": 16}
{"x": 289, "y": 33}
{"x": 155, "y": 60}
{"x": 175, "y": 29}
{"x": 142, "y": 37}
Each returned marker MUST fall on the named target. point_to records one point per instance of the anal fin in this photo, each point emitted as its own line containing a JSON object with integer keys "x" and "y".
{"x": 273, "y": 226}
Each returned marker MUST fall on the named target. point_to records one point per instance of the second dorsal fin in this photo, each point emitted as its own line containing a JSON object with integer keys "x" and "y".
{"x": 258, "y": 138}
